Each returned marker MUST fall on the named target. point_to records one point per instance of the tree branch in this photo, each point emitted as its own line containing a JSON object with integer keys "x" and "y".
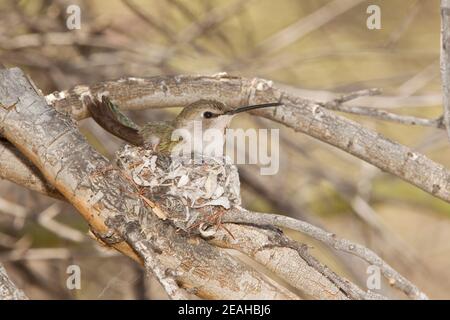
{"x": 395, "y": 279}
{"x": 299, "y": 114}
{"x": 337, "y": 104}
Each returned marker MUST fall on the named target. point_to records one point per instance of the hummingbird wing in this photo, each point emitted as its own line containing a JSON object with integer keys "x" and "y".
{"x": 109, "y": 117}
{"x": 158, "y": 134}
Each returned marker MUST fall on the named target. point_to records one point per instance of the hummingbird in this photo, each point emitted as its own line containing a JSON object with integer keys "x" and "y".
{"x": 189, "y": 193}
{"x": 159, "y": 135}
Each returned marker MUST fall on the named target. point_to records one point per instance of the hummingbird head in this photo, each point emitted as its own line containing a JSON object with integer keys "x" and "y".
{"x": 209, "y": 113}
{"x": 213, "y": 114}
{"x": 205, "y": 121}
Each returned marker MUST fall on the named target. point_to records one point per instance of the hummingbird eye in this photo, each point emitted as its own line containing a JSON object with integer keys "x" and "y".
{"x": 208, "y": 114}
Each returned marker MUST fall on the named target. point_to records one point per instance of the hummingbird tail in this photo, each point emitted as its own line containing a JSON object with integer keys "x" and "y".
{"x": 109, "y": 117}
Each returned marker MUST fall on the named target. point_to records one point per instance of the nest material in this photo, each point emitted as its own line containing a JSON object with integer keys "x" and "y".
{"x": 187, "y": 189}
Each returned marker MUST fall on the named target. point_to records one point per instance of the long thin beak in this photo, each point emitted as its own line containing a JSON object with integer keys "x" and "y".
{"x": 253, "y": 107}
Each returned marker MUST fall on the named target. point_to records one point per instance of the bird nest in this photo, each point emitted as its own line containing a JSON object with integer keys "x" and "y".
{"x": 186, "y": 190}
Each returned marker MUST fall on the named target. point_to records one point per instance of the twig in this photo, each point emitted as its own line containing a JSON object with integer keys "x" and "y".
{"x": 13, "y": 209}
{"x": 285, "y": 203}
{"x": 337, "y": 105}
{"x": 117, "y": 218}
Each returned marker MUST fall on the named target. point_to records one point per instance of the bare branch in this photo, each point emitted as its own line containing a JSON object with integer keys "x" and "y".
{"x": 308, "y": 282}
{"x": 337, "y": 104}
{"x": 152, "y": 262}
{"x": 289, "y": 260}
{"x": 385, "y": 101}
{"x": 395, "y": 279}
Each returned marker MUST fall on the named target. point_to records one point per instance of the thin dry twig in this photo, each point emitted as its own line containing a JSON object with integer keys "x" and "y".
{"x": 274, "y": 250}
{"x": 388, "y": 116}
{"x": 337, "y": 104}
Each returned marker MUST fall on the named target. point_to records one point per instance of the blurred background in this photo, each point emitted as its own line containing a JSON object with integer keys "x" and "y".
{"x": 316, "y": 48}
